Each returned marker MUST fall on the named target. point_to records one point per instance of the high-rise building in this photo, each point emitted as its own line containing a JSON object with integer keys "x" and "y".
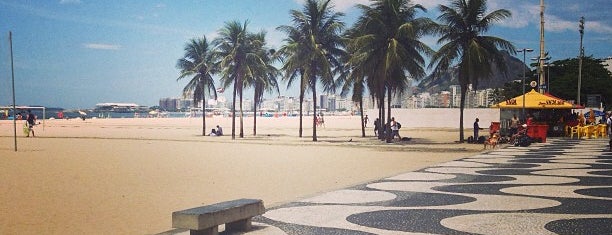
{"x": 322, "y": 102}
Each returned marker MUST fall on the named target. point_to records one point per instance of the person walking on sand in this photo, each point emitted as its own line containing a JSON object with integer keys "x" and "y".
{"x": 365, "y": 121}
{"x": 31, "y": 121}
{"x": 376, "y": 126}
{"x": 321, "y": 121}
{"x": 395, "y": 129}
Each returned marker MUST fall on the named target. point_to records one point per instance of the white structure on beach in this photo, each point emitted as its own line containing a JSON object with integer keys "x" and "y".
{"x": 120, "y": 107}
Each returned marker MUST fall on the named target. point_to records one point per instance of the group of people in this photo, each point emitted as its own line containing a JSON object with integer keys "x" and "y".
{"x": 216, "y": 132}
{"x": 390, "y": 129}
{"x": 320, "y": 121}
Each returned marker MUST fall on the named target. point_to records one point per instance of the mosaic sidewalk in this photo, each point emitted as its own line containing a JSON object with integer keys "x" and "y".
{"x": 560, "y": 187}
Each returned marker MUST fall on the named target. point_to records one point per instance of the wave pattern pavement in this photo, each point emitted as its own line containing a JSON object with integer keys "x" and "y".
{"x": 560, "y": 187}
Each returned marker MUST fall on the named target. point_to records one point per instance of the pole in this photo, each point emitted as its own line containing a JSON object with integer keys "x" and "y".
{"x": 548, "y": 78}
{"x": 13, "y": 84}
{"x": 542, "y": 74}
{"x": 523, "y": 115}
{"x": 581, "y": 30}
{"x": 524, "y": 50}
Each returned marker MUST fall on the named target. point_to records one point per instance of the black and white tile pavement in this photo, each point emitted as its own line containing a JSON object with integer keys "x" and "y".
{"x": 560, "y": 187}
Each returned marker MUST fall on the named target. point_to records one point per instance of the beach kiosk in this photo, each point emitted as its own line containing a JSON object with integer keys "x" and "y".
{"x": 546, "y": 109}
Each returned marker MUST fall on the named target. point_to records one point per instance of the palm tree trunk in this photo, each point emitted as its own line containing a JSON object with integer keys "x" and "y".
{"x": 461, "y": 107}
{"x": 314, "y": 114}
{"x": 241, "y": 114}
{"x": 380, "y": 117}
{"x": 203, "y": 113}
{"x": 383, "y": 121}
{"x": 234, "y": 111}
{"x": 389, "y": 135}
{"x": 361, "y": 113}
{"x": 301, "y": 108}
{"x": 255, "y": 114}
{"x": 302, "y": 89}
{"x": 389, "y": 104}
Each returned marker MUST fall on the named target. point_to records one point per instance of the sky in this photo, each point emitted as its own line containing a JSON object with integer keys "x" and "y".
{"x": 77, "y": 53}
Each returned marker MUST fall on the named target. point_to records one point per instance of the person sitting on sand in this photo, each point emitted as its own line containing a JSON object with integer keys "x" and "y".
{"x": 219, "y": 131}
{"x": 213, "y": 132}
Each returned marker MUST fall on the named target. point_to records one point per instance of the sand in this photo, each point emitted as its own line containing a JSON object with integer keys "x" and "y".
{"x": 127, "y": 176}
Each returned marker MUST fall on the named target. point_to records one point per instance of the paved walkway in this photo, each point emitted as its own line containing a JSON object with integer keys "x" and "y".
{"x": 560, "y": 187}
{"x": 563, "y": 186}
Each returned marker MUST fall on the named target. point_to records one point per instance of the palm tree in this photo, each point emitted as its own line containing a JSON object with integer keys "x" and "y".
{"x": 263, "y": 77}
{"x": 237, "y": 50}
{"x": 198, "y": 63}
{"x": 353, "y": 80}
{"x": 463, "y": 24}
{"x": 293, "y": 63}
{"x": 318, "y": 30}
{"x": 388, "y": 49}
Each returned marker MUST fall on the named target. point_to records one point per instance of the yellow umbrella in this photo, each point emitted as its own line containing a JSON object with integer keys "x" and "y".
{"x": 534, "y": 100}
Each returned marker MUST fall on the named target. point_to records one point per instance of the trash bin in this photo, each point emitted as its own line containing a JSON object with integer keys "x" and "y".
{"x": 538, "y": 132}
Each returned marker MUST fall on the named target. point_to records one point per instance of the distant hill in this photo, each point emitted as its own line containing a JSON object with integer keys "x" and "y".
{"x": 433, "y": 84}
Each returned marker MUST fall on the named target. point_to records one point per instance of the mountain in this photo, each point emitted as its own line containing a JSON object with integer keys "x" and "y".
{"x": 515, "y": 67}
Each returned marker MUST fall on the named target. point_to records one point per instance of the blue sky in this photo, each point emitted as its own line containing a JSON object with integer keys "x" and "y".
{"x": 76, "y": 53}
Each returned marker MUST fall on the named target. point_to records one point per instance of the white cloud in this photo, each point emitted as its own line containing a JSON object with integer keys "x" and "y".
{"x": 101, "y": 46}
{"x": 431, "y": 4}
{"x": 341, "y": 5}
{"x": 274, "y": 38}
{"x": 529, "y": 13}
{"x": 597, "y": 26}
{"x": 522, "y": 14}
{"x": 344, "y": 5}
{"x": 70, "y": 1}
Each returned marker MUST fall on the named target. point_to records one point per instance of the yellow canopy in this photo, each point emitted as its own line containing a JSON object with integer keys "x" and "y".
{"x": 534, "y": 100}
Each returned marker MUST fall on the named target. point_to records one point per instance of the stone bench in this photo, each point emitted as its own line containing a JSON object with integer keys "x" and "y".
{"x": 236, "y": 215}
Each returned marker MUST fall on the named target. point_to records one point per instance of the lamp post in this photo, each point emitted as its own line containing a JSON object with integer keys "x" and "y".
{"x": 524, "y": 50}
{"x": 581, "y": 30}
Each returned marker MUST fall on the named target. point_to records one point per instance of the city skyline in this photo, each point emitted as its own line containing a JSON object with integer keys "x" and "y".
{"x": 76, "y": 53}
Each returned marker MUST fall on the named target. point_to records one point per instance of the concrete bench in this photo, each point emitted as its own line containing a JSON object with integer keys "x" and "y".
{"x": 236, "y": 215}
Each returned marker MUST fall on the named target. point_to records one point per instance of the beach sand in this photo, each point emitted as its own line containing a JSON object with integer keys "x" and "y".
{"x": 127, "y": 176}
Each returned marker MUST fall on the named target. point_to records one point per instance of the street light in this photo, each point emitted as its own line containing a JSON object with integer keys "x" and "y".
{"x": 524, "y": 50}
